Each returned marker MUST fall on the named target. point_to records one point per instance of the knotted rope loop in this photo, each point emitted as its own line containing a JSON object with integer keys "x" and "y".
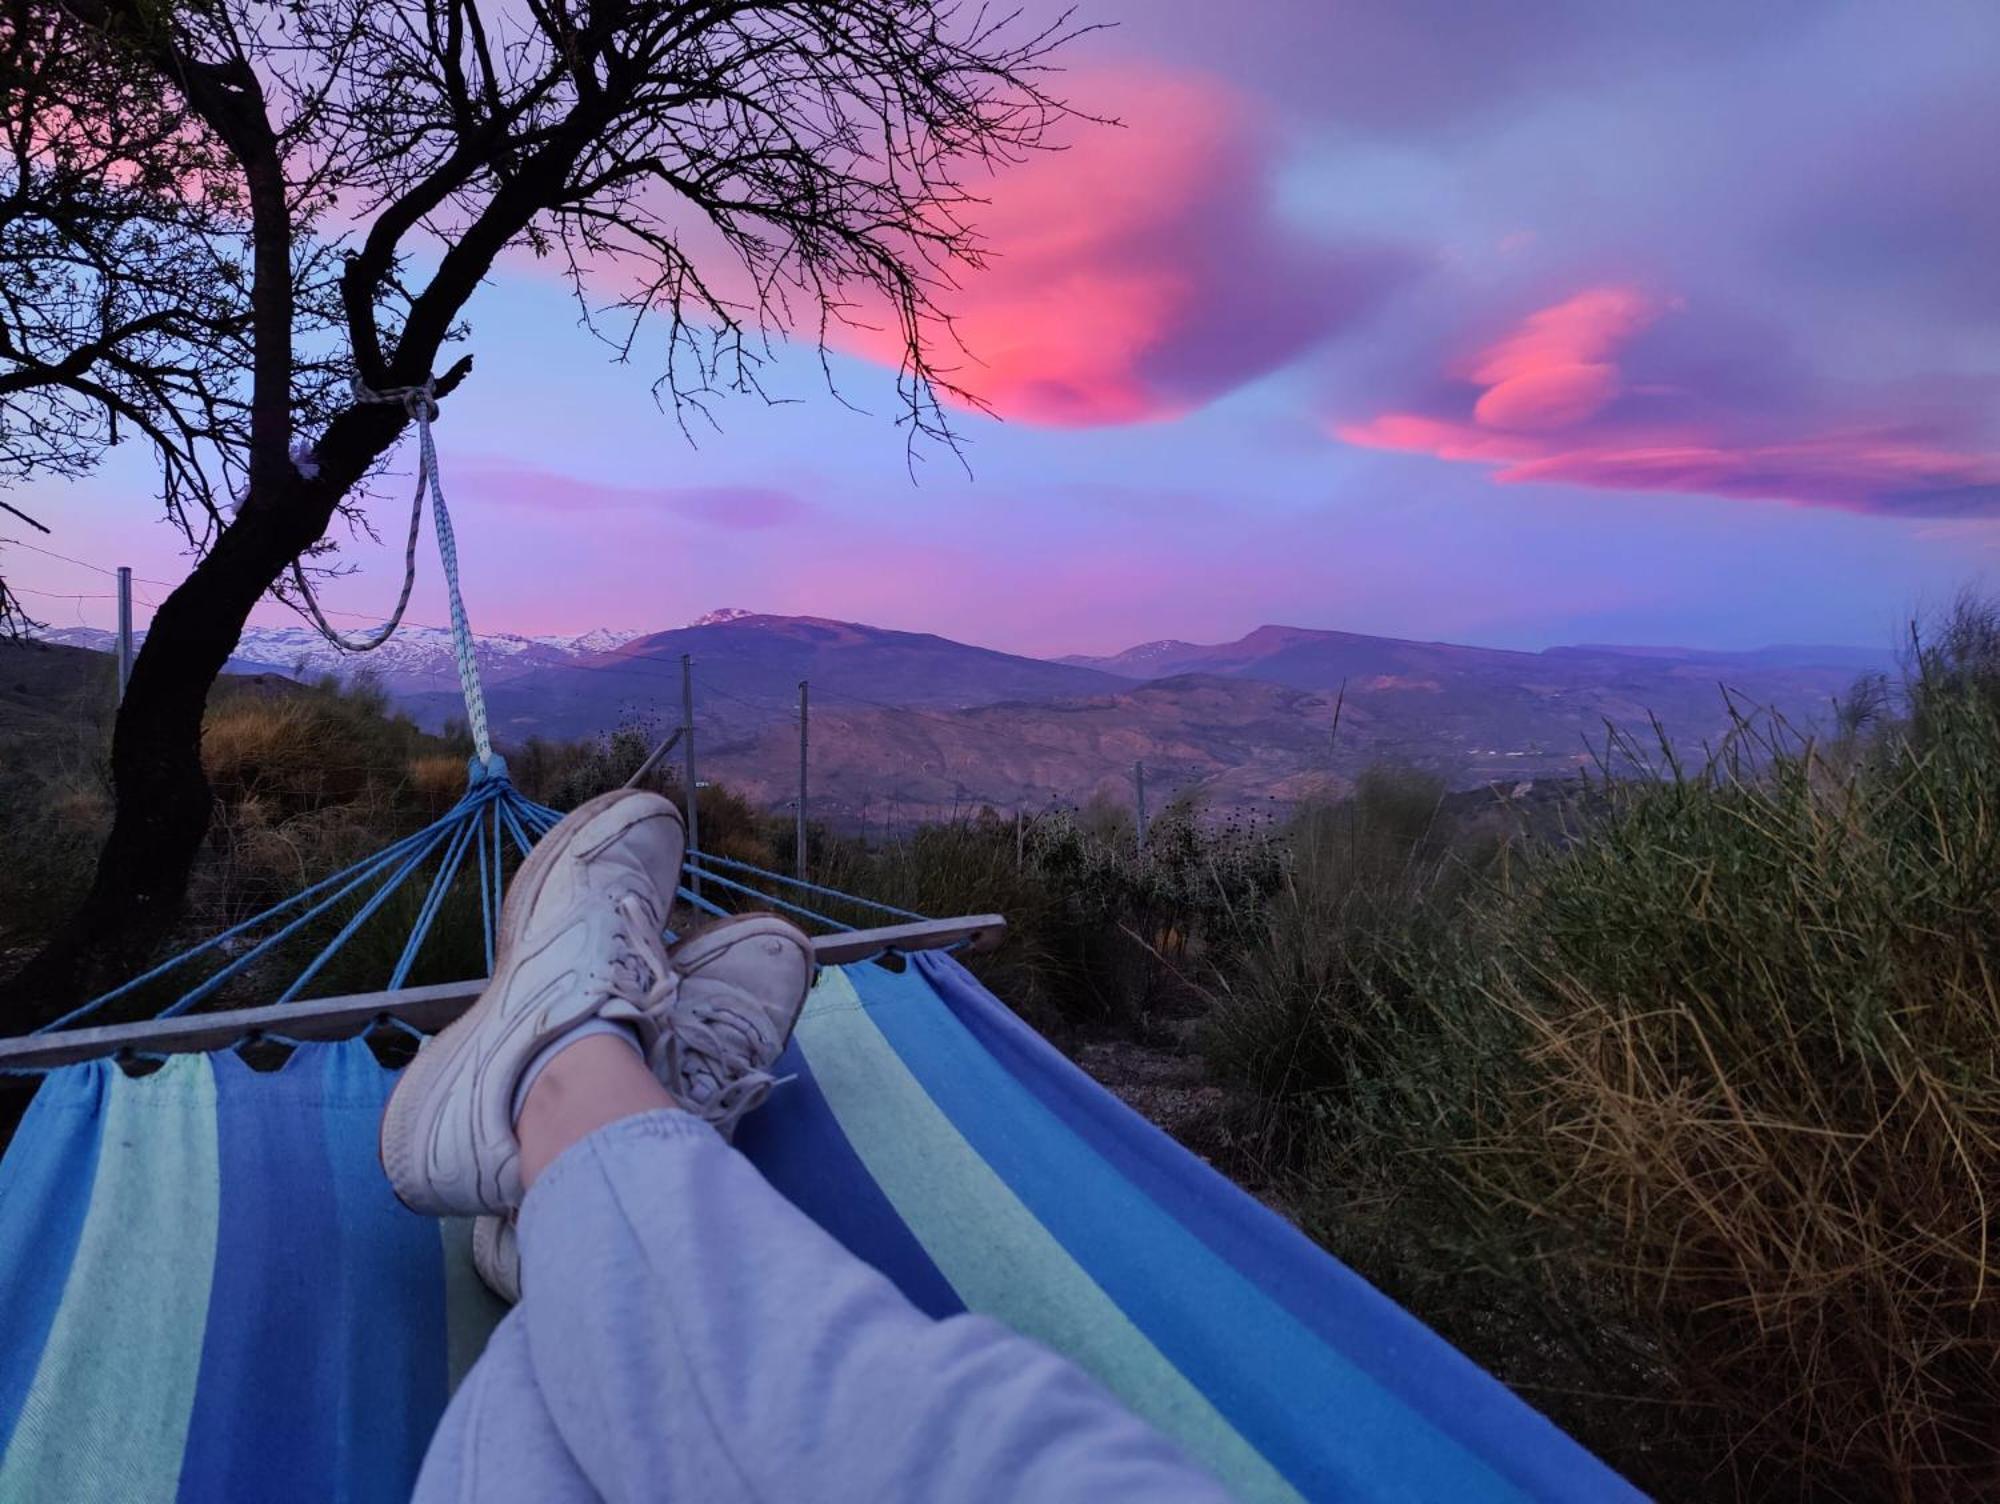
{"x": 420, "y": 402}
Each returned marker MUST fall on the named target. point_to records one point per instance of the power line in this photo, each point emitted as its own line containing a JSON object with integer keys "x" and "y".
{"x": 164, "y": 584}
{"x": 59, "y": 595}
{"x": 63, "y": 595}
{"x": 80, "y": 563}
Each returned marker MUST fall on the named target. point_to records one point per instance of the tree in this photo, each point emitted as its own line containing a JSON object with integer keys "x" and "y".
{"x": 219, "y": 209}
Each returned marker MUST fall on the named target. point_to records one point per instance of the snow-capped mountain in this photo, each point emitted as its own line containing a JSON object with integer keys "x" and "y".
{"x": 596, "y": 640}
{"x": 414, "y": 659}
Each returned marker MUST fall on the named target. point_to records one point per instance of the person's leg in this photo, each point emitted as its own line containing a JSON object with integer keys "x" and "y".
{"x": 690, "y": 1334}
{"x": 496, "y": 1440}
{"x": 695, "y": 1337}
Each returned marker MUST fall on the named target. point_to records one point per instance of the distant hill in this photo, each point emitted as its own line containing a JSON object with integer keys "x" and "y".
{"x": 45, "y": 688}
{"x": 1316, "y": 659}
{"x": 749, "y": 667}
{"x": 906, "y": 724}
{"x": 913, "y": 723}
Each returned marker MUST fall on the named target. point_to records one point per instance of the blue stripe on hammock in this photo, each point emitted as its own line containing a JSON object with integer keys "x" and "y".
{"x": 796, "y": 1141}
{"x": 1401, "y": 1355}
{"x": 1304, "y": 1405}
{"x": 389, "y": 1296}
{"x": 267, "y": 1382}
{"x": 322, "y": 1368}
{"x": 45, "y": 1184}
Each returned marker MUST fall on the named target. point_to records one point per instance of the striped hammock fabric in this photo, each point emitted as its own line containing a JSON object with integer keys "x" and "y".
{"x": 207, "y": 1291}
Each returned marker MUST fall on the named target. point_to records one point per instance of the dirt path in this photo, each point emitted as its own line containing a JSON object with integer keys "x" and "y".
{"x": 1168, "y": 1085}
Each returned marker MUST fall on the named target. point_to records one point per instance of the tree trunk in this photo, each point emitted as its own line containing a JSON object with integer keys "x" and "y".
{"x": 162, "y": 800}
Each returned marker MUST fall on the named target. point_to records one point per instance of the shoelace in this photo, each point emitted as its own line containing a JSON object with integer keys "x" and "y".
{"x": 703, "y": 1052}
{"x": 640, "y": 973}
{"x": 708, "y": 1054}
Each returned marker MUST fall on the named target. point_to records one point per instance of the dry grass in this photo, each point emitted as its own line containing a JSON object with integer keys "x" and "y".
{"x": 306, "y": 780}
{"x": 1690, "y": 1124}
{"x": 1759, "y": 1100}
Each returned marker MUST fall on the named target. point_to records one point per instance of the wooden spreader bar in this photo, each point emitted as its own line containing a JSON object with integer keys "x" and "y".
{"x": 427, "y": 1008}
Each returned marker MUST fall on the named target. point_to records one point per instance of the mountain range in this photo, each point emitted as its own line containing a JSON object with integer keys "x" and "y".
{"x": 908, "y": 724}
{"x": 412, "y": 661}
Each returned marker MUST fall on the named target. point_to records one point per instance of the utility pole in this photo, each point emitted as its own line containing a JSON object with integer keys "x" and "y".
{"x": 687, "y": 745}
{"x": 124, "y": 629}
{"x": 1020, "y": 841}
{"x": 801, "y": 854}
{"x": 1139, "y": 779}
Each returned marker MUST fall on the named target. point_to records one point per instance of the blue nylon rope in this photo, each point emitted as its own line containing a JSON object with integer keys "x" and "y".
{"x": 188, "y": 999}
{"x": 689, "y": 896}
{"x": 454, "y": 854}
{"x": 515, "y": 829}
{"x": 707, "y": 858}
{"x": 485, "y": 895}
{"x": 362, "y": 868}
{"x": 360, "y": 917}
{"x": 833, "y": 924}
{"x": 499, "y": 885}
{"x": 490, "y": 796}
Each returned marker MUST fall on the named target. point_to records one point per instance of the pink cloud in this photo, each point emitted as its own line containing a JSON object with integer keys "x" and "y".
{"x": 1553, "y": 371}
{"x": 1134, "y": 274}
{"x": 1143, "y": 271}
{"x": 1572, "y": 396}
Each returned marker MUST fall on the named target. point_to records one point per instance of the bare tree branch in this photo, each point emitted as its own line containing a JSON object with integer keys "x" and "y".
{"x": 214, "y": 214}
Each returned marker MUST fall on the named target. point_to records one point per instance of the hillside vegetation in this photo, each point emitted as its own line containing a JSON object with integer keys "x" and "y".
{"x": 1675, "y": 1102}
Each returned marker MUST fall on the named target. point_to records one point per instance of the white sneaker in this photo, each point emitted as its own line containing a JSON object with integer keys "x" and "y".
{"x": 743, "y": 982}
{"x": 579, "y": 938}
{"x": 496, "y": 1255}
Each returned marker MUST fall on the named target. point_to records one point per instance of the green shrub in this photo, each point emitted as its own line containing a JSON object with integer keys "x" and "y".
{"x": 1689, "y": 1122}
{"x": 1758, "y": 1100}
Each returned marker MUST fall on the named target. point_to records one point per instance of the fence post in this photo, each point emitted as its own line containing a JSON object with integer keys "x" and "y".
{"x": 687, "y": 745}
{"x": 1139, "y": 778}
{"x": 124, "y": 629}
{"x": 801, "y": 853}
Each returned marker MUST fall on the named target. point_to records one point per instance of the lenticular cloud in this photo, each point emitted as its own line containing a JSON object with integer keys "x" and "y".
{"x": 1603, "y": 390}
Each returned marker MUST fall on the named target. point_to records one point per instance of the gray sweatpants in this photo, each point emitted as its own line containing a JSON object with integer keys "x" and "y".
{"x": 688, "y": 1335}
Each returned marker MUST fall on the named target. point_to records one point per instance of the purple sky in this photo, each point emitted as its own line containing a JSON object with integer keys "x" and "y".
{"x": 1553, "y": 321}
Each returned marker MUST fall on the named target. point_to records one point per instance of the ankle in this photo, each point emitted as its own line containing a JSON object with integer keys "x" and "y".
{"x": 539, "y": 1062}
{"x": 592, "y": 1081}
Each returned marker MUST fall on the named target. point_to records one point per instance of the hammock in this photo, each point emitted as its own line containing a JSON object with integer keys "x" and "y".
{"x": 208, "y": 1291}
{"x": 212, "y": 1294}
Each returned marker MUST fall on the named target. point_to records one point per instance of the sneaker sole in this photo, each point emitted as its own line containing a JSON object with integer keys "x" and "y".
{"x": 494, "y": 1267}
{"x": 403, "y": 1139}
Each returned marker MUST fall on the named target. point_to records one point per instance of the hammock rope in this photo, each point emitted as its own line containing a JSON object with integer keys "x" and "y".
{"x": 420, "y": 402}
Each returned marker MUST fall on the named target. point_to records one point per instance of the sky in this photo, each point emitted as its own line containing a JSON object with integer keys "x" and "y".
{"x": 1549, "y": 322}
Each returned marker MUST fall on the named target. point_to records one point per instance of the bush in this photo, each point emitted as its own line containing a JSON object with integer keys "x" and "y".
{"x": 1696, "y": 1112}
{"x": 1097, "y": 936}
{"x": 1758, "y": 1098}
{"x": 56, "y": 794}
{"x": 1325, "y": 1019}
